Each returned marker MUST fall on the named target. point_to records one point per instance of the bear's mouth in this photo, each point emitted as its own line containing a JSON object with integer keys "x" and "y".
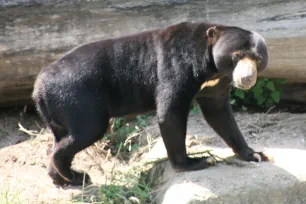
{"x": 245, "y": 73}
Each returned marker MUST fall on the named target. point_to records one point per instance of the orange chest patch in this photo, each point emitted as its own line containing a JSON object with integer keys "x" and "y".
{"x": 210, "y": 83}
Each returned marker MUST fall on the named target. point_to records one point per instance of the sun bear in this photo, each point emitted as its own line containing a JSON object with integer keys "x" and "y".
{"x": 164, "y": 70}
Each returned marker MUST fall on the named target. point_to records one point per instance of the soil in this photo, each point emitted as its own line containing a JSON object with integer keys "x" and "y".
{"x": 24, "y": 158}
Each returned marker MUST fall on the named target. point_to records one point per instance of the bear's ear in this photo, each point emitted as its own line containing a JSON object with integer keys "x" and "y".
{"x": 213, "y": 34}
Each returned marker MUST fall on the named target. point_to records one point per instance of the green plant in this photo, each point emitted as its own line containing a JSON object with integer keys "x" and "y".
{"x": 127, "y": 186}
{"x": 264, "y": 94}
{"x": 143, "y": 120}
{"x": 128, "y": 190}
{"x": 194, "y": 109}
{"x": 123, "y": 134}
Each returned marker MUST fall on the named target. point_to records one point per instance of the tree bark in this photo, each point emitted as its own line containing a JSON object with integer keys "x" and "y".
{"x": 33, "y": 33}
{"x": 294, "y": 93}
{"x": 287, "y": 59}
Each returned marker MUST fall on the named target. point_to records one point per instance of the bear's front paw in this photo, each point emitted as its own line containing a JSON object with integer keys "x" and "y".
{"x": 192, "y": 164}
{"x": 249, "y": 154}
{"x": 80, "y": 178}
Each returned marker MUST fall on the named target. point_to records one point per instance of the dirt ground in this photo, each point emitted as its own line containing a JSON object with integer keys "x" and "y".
{"x": 24, "y": 159}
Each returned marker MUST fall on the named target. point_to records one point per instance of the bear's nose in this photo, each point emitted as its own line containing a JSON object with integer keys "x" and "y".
{"x": 247, "y": 80}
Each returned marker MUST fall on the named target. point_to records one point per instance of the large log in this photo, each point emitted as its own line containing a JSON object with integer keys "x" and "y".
{"x": 294, "y": 94}
{"x": 34, "y": 33}
{"x": 287, "y": 59}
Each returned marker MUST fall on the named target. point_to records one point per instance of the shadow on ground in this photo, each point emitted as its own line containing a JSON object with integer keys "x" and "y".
{"x": 9, "y": 119}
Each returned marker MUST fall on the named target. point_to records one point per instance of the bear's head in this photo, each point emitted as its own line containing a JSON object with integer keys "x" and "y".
{"x": 237, "y": 53}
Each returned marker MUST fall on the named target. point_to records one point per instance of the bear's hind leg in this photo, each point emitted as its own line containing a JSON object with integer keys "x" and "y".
{"x": 83, "y": 132}
{"x": 59, "y": 133}
{"x": 63, "y": 154}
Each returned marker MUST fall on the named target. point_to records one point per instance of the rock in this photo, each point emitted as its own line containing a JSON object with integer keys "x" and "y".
{"x": 277, "y": 182}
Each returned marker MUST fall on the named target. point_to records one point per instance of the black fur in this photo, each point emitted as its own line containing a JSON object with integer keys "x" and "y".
{"x": 160, "y": 70}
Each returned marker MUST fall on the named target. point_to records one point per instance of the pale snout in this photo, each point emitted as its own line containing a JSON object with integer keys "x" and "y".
{"x": 245, "y": 74}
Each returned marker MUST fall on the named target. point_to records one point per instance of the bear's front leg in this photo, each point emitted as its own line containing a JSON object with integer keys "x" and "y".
{"x": 172, "y": 116}
{"x": 218, "y": 114}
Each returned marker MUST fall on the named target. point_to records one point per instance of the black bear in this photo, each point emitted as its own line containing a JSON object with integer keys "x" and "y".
{"x": 165, "y": 70}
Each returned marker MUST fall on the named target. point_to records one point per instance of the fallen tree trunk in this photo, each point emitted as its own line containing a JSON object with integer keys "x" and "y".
{"x": 294, "y": 94}
{"x": 287, "y": 59}
{"x": 33, "y": 33}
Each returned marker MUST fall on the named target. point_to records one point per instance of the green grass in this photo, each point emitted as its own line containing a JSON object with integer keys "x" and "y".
{"x": 123, "y": 187}
{"x": 122, "y": 139}
{"x": 9, "y": 195}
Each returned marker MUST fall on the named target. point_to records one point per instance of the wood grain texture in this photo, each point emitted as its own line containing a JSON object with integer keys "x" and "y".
{"x": 287, "y": 59}
{"x": 294, "y": 94}
{"x": 33, "y": 33}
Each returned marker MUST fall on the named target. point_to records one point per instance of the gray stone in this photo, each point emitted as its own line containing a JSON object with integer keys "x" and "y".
{"x": 277, "y": 182}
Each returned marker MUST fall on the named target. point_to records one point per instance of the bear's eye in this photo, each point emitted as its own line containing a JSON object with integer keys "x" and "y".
{"x": 258, "y": 58}
{"x": 236, "y": 56}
